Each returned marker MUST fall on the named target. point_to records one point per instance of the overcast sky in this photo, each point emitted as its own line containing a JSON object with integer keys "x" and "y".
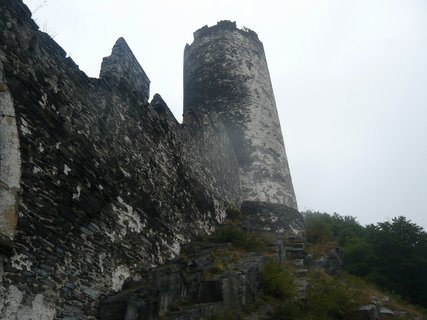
{"x": 350, "y": 80}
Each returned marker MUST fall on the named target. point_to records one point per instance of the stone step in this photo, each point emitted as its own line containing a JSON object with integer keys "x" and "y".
{"x": 294, "y": 250}
{"x": 302, "y": 285}
{"x": 196, "y": 311}
{"x": 298, "y": 262}
{"x": 300, "y": 272}
{"x": 295, "y": 254}
{"x": 298, "y": 245}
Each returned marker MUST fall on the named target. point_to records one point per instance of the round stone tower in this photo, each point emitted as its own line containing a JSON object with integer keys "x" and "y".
{"x": 226, "y": 76}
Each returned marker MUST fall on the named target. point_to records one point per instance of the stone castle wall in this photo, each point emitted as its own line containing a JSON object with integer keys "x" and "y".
{"x": 97, "y": 184}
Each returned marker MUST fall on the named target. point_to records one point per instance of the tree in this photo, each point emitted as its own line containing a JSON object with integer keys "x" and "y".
{"x": 322, "y": 227}
{"x": 400, "y": 263}
{"x": 391, "y": 254}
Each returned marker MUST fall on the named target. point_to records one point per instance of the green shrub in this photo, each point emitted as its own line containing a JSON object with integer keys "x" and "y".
{"x": 278, "y": 281}
{"x": 231, "y": 232}
{"x": 327, "y": 297}
{"x": 323, "y": 227}
{"x": 234, "y": 214}
{"x": 330, "y": 298}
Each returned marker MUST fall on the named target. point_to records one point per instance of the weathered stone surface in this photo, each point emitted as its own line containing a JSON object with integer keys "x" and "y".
{"x": 386, "y": 312}
{"x": 121, "y": 69}
{"x": 190, "y": 288}
{"x": 226, "y": 74}
{"x": 98, "y": 185}
{"x": 108, "y": 183}
{"x": 368, "y": 312}
{"x": 273, "y": 217}
{"x": 332, "y": 262}
{"x": 10, "y": 167}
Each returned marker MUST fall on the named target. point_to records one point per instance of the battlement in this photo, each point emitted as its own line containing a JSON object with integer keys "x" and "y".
{"x": 224, "y": 25}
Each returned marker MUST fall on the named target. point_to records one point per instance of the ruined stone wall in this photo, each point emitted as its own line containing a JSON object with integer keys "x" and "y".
{"x": 101, "y": 183}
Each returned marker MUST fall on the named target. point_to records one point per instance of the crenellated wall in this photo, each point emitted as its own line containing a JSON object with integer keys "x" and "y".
{"x": 97, "y": 184}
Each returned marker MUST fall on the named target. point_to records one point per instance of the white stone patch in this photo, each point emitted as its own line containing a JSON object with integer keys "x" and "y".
{"x": 67, "y": 169}
{"x": 9, "y": 303}
{"x": 112, "y": 235}
{"x": 127, "y": 219}
{"x": 57, "y": 145}
{"x": 77, "y": 195}
{"x": 41, "y": 149}
{"x": 175, "y": 247}
{"x": 127, "y": 174}
{"x": 43, "y": 102}
{"x": 296, "y": 231}
{"x": 101, "y": 259}
{"x": 39, "y": 310}
{"x": 21, "y": 262}
{"x": 54, "y": 171}
{"x": 220, "y": 213}
{"x": 36, "y": 169}
{"x": 11, "y": 307}
{"x": 53, "y": 81}
{"x": 101, "y": 187}
{"x": 120, "y": 274}
{"x": 10, "y": 156}
{"x": 24, "y": 127}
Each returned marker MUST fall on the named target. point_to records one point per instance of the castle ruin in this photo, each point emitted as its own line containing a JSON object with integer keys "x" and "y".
{"x": 98, "y": 184}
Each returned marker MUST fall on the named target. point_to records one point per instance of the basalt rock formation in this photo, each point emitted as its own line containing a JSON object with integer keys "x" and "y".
{"x": 98, "y": 185}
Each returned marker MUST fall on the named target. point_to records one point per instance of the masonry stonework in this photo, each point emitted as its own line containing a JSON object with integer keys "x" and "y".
{"x": 226, "y": 74}
{"x": 99, "y": 185}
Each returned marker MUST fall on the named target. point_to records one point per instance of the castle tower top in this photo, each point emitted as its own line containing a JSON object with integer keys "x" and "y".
{"x": 224, "y": 25}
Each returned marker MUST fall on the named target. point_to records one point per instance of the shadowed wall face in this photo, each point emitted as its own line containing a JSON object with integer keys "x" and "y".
{"x": 226, "y": 73}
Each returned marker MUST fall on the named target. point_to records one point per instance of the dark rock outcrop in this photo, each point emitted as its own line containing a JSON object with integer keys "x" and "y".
{"x": 203, "y": 282}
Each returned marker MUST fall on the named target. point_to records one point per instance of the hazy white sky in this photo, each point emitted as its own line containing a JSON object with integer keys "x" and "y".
{"x": 350, "y": 80}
